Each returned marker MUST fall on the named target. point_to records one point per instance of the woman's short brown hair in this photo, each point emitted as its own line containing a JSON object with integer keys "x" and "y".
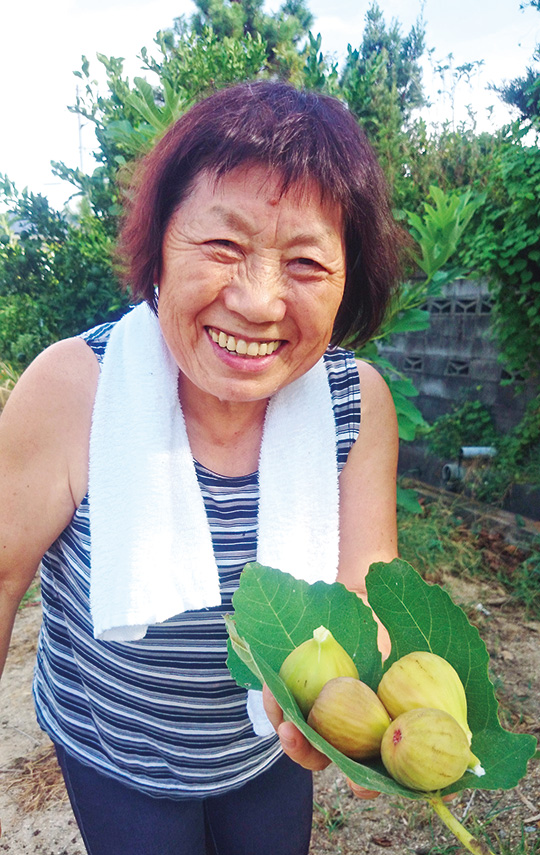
{"x": 303, "y": 137}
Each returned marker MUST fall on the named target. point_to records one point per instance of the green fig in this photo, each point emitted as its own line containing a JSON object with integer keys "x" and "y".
{"x": 425, "y": 749}
{"x": 310, "y": 665}
{"x": 349, "y": 715}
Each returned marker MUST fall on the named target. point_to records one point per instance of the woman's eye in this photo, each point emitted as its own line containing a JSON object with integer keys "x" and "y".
{"x": 224, "y": 249}
{"x": 231, "y": 245}
{"x": 308, "y": 265}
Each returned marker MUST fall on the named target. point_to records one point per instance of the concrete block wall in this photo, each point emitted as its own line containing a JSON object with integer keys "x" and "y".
{"x": 457, "y": 357}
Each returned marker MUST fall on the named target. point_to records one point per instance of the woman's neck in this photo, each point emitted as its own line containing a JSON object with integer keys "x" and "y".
{"x": 224, "y": 436}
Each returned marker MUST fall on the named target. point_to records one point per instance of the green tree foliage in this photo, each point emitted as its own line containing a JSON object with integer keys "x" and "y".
{"x": 131, "y": 117}
{"x": 382, "y": 86}
{"x": 282, "y": 31}
{"x": 55, "y": 276}
{"x": 387, "y": 56}
{"x": 504, "y": 246}
{"x": 523, "y": 92}
{"x": 449, "y": 158}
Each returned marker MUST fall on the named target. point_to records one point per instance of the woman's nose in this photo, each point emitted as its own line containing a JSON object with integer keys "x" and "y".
{"x": 257, "y": 294}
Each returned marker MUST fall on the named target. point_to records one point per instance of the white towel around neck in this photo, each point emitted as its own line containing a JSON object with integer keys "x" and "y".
{"x": 151, "y": 548}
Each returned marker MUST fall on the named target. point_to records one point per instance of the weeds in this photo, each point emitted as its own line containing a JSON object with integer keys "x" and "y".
{"x": 36, "y": 780}
{"x": 330, "y": 818}
{"x": 525, "y": 581}
{"x": 440, "y": 542}
{"x": 528, "y": 842}
{"x": 437, "y": 541}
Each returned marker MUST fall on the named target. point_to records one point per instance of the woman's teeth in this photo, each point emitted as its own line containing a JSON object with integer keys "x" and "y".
{"x": 238, "y": 345}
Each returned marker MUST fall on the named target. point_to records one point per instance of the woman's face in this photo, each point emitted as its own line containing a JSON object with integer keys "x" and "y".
{"x": 250, "y": 285}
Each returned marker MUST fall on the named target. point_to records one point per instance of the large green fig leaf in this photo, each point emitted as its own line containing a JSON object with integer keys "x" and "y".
{"x": 274, "y": 612}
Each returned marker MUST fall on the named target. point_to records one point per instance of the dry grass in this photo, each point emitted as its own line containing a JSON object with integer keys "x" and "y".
{"x": 36, "y": 781}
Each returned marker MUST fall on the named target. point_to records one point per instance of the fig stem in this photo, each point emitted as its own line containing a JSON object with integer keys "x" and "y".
{"x": 477, "y": 847}
{"x": 321, "y": 634}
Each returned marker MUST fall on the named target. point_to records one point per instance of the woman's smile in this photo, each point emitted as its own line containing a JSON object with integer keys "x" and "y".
{"x": 242, "y": 347}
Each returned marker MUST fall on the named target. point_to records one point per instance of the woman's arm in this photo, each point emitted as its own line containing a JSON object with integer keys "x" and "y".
{"x": 368, "y": 527}
{"x": 44, "y": 435}
{"x": 368, "y": 530}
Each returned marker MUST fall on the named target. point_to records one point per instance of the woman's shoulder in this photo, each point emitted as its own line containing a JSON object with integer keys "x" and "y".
{"x": 63, "y": 366}
{"x": 375, "y": 390}
{"x": 54, "y": 396}
{"x": 44, "y": 434}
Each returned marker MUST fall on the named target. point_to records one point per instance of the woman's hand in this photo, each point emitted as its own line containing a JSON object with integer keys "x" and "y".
{"x": 294, "y": 743}
{"x": 296, "y": 746}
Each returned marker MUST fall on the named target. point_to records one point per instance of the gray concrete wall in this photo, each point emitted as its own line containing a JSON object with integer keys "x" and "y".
{"x": 457, "y": 359}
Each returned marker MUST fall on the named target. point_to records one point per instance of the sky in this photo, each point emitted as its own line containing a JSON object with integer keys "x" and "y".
{"x": 41, "y": 44}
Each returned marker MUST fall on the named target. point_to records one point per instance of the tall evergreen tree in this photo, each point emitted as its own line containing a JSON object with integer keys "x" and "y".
{"x": 382, "y": 85}
{"x": 282, "y": 31}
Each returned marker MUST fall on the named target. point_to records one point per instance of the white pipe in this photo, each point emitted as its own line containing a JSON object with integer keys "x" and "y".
{"x": 468, "y": 451}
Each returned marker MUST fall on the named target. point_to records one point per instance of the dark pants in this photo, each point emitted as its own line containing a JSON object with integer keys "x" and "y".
{"x": 270, "y": 815}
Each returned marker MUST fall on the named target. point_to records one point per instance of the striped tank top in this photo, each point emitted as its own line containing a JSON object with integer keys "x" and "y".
{"x": 163, "y": 714}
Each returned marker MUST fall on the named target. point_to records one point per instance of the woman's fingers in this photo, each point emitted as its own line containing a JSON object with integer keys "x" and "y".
{"x": 361, "y": 792}
{"x": 296, "y": 746}
{"x": 272, "y": 708}
{"x": 294, "y": 743}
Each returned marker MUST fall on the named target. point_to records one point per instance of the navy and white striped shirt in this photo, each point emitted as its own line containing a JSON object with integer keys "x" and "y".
{"x": 163, "y": 714}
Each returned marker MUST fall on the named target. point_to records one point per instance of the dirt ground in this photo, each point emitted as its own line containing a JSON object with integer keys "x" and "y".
{"x": 36, "y": 817}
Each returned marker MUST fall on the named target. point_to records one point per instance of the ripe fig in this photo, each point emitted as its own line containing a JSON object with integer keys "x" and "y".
{"x": 425, "y": 749}
{"x": 310, "y": 665}
{"x": 349, "y": 715}
{"x": 423, "y": 679}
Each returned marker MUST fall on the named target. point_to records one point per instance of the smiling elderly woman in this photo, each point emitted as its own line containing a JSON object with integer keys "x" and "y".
{"x": 217, "y": 423}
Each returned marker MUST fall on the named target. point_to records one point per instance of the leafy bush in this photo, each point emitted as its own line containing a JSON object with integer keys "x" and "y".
{"x": 436, "y": 235}
{"x": 56, "y": 277}
{"x": 469, "y": 423}
{"x": 518, "y": 452}
{"x": 504, "y": 246}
